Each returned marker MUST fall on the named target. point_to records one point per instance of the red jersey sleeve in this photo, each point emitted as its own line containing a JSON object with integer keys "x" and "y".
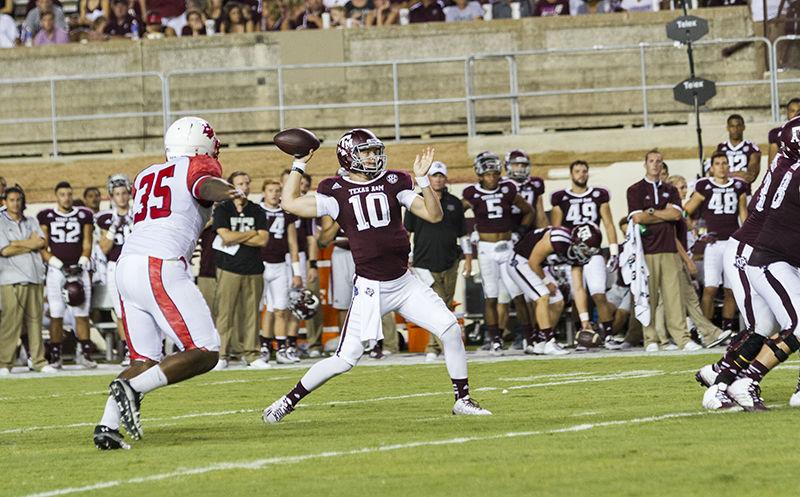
{"x": 201, "y": 167}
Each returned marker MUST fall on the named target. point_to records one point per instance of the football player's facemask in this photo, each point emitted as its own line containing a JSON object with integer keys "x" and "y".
{"x": 485, "y": 162}
{"x": 518, "y": 165}
{"x": 368, "y": 158}
{"x": 118, "y": 180}
{"x": 585, "y": 244}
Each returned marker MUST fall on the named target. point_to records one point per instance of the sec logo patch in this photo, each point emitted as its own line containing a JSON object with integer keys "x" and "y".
{"x": 392, "y": 178}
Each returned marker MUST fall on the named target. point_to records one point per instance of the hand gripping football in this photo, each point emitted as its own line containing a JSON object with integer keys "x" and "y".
{"x": 296, "y": 141}
{"x": 588, "y": 338}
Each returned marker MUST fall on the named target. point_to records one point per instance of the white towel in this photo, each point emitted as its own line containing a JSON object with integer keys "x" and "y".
{"x": 367, "y": 307}
{"x": 635, "y": 273}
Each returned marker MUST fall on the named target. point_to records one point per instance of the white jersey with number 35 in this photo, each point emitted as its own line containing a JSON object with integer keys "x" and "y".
{"x": 168, "y": 213}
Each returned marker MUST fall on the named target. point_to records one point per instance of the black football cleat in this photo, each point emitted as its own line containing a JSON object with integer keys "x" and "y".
{"x": 128, "y": 401}
{"x": 106, "y": 438}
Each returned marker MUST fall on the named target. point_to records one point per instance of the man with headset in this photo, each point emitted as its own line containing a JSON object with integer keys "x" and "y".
{"x": 21, "y": 283}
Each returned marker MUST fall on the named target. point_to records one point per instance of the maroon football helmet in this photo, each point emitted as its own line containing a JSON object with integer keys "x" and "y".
{"x": 486, "y": 161}
{"x": 518, "y": 173}
{"x": 790, "y": 138}
{"x": 303, "y": 303}
{"x": 73, "y": 287}
{"x": 360, "y": 140}
{"x": 586, "y": 240}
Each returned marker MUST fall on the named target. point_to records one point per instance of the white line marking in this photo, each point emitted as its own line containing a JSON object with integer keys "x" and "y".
{"x": 539, "y": 377}
{"x": 261, "y": 463}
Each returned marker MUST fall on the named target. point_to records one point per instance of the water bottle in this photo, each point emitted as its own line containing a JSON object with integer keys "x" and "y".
{"x": 27, "y": 36}
{"x": 135, "y": 30}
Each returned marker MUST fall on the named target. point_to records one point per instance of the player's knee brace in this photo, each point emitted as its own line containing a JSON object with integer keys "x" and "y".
{"x": 789, "y": 340}
{"x": 748, "y": 349}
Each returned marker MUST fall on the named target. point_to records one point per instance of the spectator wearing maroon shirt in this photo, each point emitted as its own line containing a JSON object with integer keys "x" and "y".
{"x": 120, "y": 23}
{"x": 549, "y": 8}
{"x": 167, "y": 9}
{"x": 792, "y": 109}
{"x": 657, "y": 206}
{"x": 426, "y": 11}
{"x": 50, "y": 34}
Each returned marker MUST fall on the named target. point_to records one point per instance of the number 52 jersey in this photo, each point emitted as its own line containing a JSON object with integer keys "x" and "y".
{"x": 369, "y": 214}
{"x": 168, "y": 213}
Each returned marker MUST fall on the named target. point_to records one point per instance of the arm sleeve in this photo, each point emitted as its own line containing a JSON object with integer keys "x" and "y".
{"x": 675, "y": 199}
{"x": 327, "y": 206}
{"x": 405, "y": 193}
{"x": 4, "y": 241}
{"x": 201, "y": 167}
{"x": 409, "y": 221}
{"x": 511, "y": 194}
{"x": 41, "y": 217}
{"x": 755, "y": 147}
{"x": 36, "y": 227}
{"x": 635, "y": 203}
{"x": 221, "y": 219}
{"x": 261, "y": 219}
{"x": 103, "y": 221}
{"x": 604, "y": 197}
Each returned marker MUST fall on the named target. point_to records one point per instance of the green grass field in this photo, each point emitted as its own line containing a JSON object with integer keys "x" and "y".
{"x": 611, "y": 426}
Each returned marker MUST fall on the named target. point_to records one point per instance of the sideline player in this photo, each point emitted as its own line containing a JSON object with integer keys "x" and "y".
{"x": 722, "y": 203}
{"x": 579, "y": 205}
{"x": 172, "y": 203}
{"x": 491, "y": 201}
{"x": 367, "y": 205}
{"x": 744, "y": 156}
{"x": 68, "y": 231}
{"x": 115, "y": 225}
{"x": 774, "y": 135}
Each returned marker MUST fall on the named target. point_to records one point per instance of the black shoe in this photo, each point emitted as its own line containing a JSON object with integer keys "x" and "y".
{"x": 106, "y": 438}
{"x": 128, "y": 401}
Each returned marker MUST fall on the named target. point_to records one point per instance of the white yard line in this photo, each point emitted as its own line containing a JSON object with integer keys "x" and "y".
{"x": 257, "y": 464}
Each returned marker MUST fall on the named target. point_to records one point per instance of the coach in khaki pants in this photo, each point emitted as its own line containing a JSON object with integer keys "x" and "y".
{"x": 436, "y": 249}
{"x": 21, "y": 283}
{"x": 657, "y": 206}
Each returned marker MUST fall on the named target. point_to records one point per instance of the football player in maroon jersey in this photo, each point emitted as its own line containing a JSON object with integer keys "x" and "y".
{"x": 367, "y": 205}
{"x": 491, "y": 201}
{"x": 744, "y": 156}
{"x": 578, "y": 205}
{"x": 722, "y": 203}
{"x": 531, "y": 188}
{"x": 68, "y": 231}
{"x": 792, "y": 110}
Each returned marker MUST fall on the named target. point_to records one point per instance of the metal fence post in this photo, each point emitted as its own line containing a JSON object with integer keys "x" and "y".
{"x": 643, "y": 65}
{"x": 53, "y": 111}
{"x": 514, "y": 89}
{"x": 468, "y": 99}
{"x": 165, "y": 101}
{"x": 776, "y": 105}
{"x": 395, "y": 101}
{"x": 281, "y": 110}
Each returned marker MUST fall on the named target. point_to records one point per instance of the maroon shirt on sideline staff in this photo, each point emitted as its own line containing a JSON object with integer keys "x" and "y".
{"x": 370, "y": 216}
{"x": 720, "y": 207}
{"x": 779, "y": 238}
{"x": 124, "y": 225}
{"x": 492, "y": 208}
{"x": 530, "y": 189}
{"x": 208, "y": 267}
{"x": 758, "y": 208}
{"x": 578, "y": 209}
{"x": 642, "y": 195}
{"x": 278, "y": 221}
{"x": 65, "y": 232}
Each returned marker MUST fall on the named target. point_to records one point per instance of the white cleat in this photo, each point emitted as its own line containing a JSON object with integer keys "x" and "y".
{"x": 671, "y": 346}
{"x": 431, "y": 357}
{"x": 706, "y": 376}
{"x": 48, "y": 369}
{"x": 468, "y": 407}
{"x": 277, "y": 411}
{"x": 719, "y": 400}
{"x": 551, "y": 347}
{"x": 496, "y": 349}
{"x": 260, "y": 363}
{"x": 313, "y": 354}
{"x": 691, "y": 346}
{"x": 282, "y": 357}
{"x": 5, "y": 371}
{"x": 747, "y": 393}
{"x": 291, "y": 354}
{"x": 651, "y": 347}
{"x": 538, "y": 348}
{"x": 221, "y": 365}
{"x": 86, "y": 362}
{"x": 794, "y": 400}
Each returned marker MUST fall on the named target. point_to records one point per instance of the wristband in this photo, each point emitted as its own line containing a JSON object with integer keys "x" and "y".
{"x": 583, "y": 316}
{"x": 299, "y": 166}
{"x": 296, "y": 268}
{"x": 613, "y": 249}
{"x": 423, "y": 181}
{"x": 55, "y": 262}
{"x": 312, "y": 264}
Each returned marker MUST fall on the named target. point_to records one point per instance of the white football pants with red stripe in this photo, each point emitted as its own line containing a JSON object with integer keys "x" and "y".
{"x": 158, "y": 298}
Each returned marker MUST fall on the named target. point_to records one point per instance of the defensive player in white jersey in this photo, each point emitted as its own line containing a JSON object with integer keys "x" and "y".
{"x": 579, "y": 205}
{"x": 158, "y": 297}
{"x": 367, "y": 205}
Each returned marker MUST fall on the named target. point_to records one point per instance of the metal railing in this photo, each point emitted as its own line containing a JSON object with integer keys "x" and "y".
{"x": 468, "y": 99}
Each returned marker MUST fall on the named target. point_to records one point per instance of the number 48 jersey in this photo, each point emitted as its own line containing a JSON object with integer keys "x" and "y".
{"x": 168, "y": 213}
{"x": 720, "y": 207}
{"x": 580, "y": 208}
{"x": 369, "y": 214}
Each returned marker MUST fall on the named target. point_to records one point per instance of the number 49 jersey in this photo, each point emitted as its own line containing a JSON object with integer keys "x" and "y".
{"x": 720, "y": 207}
{"x": 65, "y": 232}
{"x": 369, "y": 214}
{"x": 580, "y": 208}
{"x": 168, "y": 213}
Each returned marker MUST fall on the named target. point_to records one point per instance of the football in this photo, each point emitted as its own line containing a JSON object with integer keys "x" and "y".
{"x": 296, "y": 141}
{"x": 588, "y": 338}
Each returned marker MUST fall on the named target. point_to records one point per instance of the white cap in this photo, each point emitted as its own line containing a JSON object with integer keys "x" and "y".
{"x": 437, "y": 168}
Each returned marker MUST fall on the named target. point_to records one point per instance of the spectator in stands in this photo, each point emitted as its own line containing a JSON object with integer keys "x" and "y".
{"x": 426, "y": 11}
{"x": 21, "y": 283}
{"x": 272, "y": 17}
{"x": 304, "y": 16}
{"x": 384, "y": 14}
{"x": 637, "y": 5}
{"x": 725, "y": 3}
{"x": 2, "y": 193}
{"x": 178, "y": 23}
{"x": 166, "y": 9}
{"x": 91, "y": 198}
{"x": 463, "y": 10}
{"x": 339, "y": 16}
{"x": 90, "y": 10}
{"x": 357, "y": 10}
{"x": 121, "y": 21}
{"x": 8, "y": 31}
{"x": 98, "y": 31}
{"x": 49, "y": 34}
{"x": 233, "y": 20}
{"x": 549, "y": 8}
{"x": 214, "y": 12}
{"x": 33, "y": 19}
{"x": 195, "y": 26}
{"x": 597, "y": 7}
{"x": 502, "y": 9}
{"x": 156, "y": 30}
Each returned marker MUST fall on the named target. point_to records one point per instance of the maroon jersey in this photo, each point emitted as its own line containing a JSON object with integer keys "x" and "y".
{"x": 208, "y": 267}
{"x": 560, "y": 239}
{"x": 774, "y": 136}
{"x": 779, "y": 238}
{"x": 580, "y": 208}
{"x": 65, "y": 232}
{"x": 369, "y": 214}
{"x": 123, "y": 225}
{"x": 739, "y": 155}
{"x": 644, "y": 194}
{"x": 758, "y": 207}
{"x": 530, "y": 189}
{"x": 278, "y": 221}
{"x": 493, "y": 208}
{"x": 305, "y": 228}
{"x": 720, "y": 207}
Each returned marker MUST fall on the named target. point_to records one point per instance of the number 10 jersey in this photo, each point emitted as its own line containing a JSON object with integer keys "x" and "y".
{"x": 369, "y": 214}
{"x": 168, "y": 213}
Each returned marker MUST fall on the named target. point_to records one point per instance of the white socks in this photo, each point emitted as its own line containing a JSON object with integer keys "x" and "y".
{"x": 111, "y": 414}
{"x": 149, "y": 380}
{"x": 323, "y": 371}
{"x": 455, "y": 356}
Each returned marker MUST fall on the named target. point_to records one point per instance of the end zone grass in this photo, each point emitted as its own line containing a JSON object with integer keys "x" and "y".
{"x": 611, "y": 426}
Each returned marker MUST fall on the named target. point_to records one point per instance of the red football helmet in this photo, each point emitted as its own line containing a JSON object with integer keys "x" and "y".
{"x": 73, "y": 292}
{"x": 586, "y": 240}
{"x": 790, "y": 138}
{"x": 360, "y": 140}
{"x": 303, "y": 303}
{"x": 486, "y": 161}
{"x": 518, "y": 157}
